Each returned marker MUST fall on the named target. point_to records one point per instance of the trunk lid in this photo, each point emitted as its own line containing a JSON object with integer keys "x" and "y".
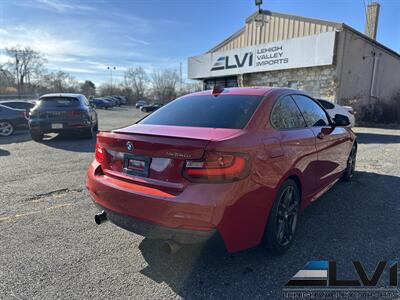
{"x": 164, "y": 150}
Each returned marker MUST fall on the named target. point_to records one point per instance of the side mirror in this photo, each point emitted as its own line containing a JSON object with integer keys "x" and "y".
{"x": 341, "y": 120}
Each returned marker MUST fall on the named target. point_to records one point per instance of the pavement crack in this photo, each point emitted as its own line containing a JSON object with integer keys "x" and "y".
{"x": 54, "y": 194}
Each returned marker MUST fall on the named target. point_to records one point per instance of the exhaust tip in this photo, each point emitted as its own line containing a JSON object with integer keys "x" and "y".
{"x": 171, "y": 247}
{"x": 100, "y": 217}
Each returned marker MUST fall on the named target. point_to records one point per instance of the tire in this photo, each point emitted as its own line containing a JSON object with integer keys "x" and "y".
{"x": 282, "y": 221}
{"x": 90, "y": 133}
{"x": 351, "y": 165}
{"x": 36, "y": 135}
{"x": 6, "y": 128}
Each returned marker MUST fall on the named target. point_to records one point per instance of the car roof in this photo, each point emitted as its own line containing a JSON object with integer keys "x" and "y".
{"x": 10, "y": 108}
{"x": 250, "y": 91}
{"x": 18, "y": 101}
{"x": 62, "y": 95}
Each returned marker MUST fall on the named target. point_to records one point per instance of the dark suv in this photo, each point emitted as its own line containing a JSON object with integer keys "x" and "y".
{"x": 63, "y": 113}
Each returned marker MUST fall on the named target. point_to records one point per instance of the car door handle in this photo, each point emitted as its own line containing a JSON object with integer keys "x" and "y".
{"x": 320, "y": 135}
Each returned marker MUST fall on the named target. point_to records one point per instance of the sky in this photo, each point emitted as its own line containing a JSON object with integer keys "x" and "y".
{"x": 84, "y": 37}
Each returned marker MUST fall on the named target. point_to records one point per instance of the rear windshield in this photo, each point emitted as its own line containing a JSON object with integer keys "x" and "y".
{"x": 224, "y": 111}
{"x": 58, "y": 102}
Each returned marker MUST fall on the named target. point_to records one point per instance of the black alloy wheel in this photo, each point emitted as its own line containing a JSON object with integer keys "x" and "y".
{"x": 282, "y": 223}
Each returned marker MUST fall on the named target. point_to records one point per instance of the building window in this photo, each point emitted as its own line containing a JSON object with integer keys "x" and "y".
{"x": 222, "y": 81}
{"x": 294, "y": 84}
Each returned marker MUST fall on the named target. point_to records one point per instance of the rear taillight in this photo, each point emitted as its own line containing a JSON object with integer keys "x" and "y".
{"x": 76, "y": 113}
{"x": 100, "y": 154}
{"x": 217, "y": 167}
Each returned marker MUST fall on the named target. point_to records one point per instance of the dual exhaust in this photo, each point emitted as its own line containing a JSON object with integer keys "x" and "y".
{"x": 169, "y": 246}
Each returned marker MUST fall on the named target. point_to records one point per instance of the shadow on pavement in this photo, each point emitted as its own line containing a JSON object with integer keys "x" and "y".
{"x": 374, "y": 138}
{"x": 353, "y": 221}
{"x": 19, "y": 136}
{"x": 70, "y": 142}
{"x": 4, "y": 152}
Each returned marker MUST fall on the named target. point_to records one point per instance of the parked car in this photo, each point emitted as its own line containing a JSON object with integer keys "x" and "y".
{"x": 100, "y": 103}
{"x": 140, "y": 103}
{"x": 150, "y": 107}
{"x": 110, "y": 102}
{"x": 19, "y": 104}
{"x": 63, "y": 113}
{"x": 334, "y": 108}
{"x": 239, "y": 163}
{"x": 122, "y": 99}
{"x": 11, "y": 119}
{"x": 116, "y": 101}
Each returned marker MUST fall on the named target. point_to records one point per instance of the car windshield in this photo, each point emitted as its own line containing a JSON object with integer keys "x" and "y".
{"x": 224, "y": 111}
{"x": 58, "y": 102}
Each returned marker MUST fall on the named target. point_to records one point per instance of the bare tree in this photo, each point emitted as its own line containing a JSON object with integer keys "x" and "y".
{"x": 7, "y": 81}
{"x": 25, "y": 64}
{"x": 164, "y": 85}
{"x": 60, "y": 82}
{"x": 137, "y": 80}
{"x": 88, "y": 88}
{"x": 191, "y": 87}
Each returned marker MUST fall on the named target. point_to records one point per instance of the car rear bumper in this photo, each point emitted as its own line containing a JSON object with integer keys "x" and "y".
{"x": 155, "y": 231}
{"x": 236, "y": 211}
{"x": 46, "y": 126}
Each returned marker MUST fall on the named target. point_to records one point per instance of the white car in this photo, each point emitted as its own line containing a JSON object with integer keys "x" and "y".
{"x": 334, "y": 108}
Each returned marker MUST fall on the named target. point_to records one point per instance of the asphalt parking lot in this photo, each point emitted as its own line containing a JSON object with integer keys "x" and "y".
{"x": 51, "y": 248}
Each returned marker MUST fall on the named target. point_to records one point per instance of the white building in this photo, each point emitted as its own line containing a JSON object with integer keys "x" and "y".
{"x": 327, "y": 59}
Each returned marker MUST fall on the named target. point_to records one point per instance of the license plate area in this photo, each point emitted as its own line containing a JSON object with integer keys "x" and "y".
{"x": 137, "y": 165}
{"x": 56, "y": 126}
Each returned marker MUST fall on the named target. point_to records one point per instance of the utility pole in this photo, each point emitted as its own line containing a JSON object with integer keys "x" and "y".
{"x": 259, "y": 19}
{"x": 111, "y": 78}
{"x": 180, "y": 76}
{"x": 259, "y": 3}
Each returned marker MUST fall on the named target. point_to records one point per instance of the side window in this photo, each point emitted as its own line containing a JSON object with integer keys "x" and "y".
{"x": 326, "y": 104}
{"x": 314, "y": 115}
{"x": 85, "y": 101}
{"x": 286, "y": 114}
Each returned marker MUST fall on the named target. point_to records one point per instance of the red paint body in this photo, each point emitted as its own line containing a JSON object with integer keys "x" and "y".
{"x": 238, "y": 210}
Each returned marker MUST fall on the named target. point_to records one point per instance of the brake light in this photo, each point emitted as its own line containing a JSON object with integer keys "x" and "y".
{"x": 100, "y": 154}
{"x": 217, "y": 167}
{"x": 75, "y": 113}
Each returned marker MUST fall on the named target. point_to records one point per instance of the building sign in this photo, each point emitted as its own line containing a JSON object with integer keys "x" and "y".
{"x": 309, "y": 51}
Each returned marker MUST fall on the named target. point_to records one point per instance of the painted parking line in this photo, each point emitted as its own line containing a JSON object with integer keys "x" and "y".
{"x": 33, "y": 212}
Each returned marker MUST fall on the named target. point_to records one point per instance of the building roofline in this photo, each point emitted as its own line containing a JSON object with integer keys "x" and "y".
{"x": 228, "y": 39}
{"x": 366, "y": 37}
{"x": 300, "y": 18}
{"x": 338, "y": 26}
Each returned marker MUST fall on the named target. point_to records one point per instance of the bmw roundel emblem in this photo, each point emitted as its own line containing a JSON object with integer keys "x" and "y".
{"x": 129, "y": 146}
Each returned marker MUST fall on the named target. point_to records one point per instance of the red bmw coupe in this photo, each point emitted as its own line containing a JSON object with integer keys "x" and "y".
{"x": 240, "y": 163}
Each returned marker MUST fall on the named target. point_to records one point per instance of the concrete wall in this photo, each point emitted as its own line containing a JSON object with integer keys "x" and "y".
{"x": 319, "y": 82}
{"x": 372, "y": 96}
